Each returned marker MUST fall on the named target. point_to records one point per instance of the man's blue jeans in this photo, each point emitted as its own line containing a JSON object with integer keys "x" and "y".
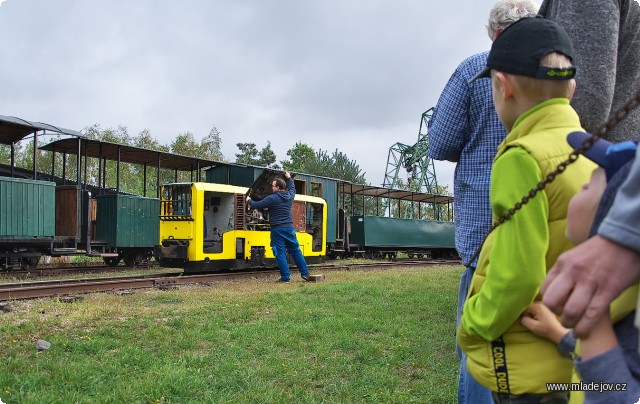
{"x": 284, "y": 239}
{"x": 469, "y": 390}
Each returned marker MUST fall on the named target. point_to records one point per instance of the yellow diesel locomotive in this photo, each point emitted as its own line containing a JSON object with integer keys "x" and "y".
{"x": 208, "y": 226}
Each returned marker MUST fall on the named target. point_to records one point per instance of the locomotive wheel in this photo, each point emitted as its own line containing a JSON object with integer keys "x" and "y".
{"x": 111, "y": 261}
{"x": 30, "y": 262}
{"x": 130, "y": 260}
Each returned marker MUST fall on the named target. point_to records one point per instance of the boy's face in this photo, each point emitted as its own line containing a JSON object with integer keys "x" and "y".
{"x": 582, "y": 207}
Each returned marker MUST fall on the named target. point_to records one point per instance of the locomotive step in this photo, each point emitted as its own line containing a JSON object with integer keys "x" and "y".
{"x": 64, "y": 250}
{"x": 104, "y": 255}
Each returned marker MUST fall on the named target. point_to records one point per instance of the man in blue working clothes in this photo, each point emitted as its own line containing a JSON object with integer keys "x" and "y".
{"x": 283, "y": 234}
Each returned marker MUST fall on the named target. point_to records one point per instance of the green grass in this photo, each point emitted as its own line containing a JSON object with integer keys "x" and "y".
{"x": 364, "y": 337}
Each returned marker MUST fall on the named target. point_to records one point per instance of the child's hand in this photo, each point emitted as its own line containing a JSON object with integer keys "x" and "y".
{"x": 541, "y": 321}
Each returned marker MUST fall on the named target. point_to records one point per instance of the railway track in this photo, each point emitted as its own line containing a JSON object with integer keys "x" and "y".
{"x": 60, "y": 271}
{"x": 101, "y": 268}
{"x": 37, "y": 289}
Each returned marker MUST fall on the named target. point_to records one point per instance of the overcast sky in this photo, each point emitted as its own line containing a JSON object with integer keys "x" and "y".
{"x": 352, "y": 75}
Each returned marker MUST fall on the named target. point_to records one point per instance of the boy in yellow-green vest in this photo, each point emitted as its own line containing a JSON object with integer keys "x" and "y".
{"x": 532, "y": 78}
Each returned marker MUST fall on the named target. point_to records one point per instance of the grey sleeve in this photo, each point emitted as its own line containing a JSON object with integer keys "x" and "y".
{"x": 567, "y": 345}
{"x": 593, "y": 27}
{"x": 622, "y": 224}
{"x": 606, "y": 379}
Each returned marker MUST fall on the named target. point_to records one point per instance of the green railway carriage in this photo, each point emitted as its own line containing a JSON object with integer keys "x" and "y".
{"x": 381, "y": 236}
{"x": 27, "y": 222}
{"x": 27, "y": 212}
{"x": 128, "y": 223}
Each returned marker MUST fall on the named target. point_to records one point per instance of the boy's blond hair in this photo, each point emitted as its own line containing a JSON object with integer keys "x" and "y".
{"x": 541, "y": 90}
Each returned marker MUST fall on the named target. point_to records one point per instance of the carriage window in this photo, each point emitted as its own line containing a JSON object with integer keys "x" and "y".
{"x": 316, "y": 189}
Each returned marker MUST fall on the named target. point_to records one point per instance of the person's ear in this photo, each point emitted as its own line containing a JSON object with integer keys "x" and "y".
{"x": 504, "y": 85}
{"x": 572, "y": 89}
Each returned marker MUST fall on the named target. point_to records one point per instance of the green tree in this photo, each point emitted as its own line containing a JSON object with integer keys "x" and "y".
{"x": 211, "y": 146}
{"x": 299, "y": 156}
{"x": 129, "y": 178}
{"x": 5, "y": 154}
{"x": 44, "y": 159}
{"x": 23, "y": 156}
{"x": 336, "y": 165}
{"x": 267, "y": 158}
{"x": 20, "y": 153}
{"x": 145, "y": 140}
{"x": 113, "y": 135}
{"x": 248, "y": 153}
{"x": 130, "y": 175}
{"x": 186, "y": 145}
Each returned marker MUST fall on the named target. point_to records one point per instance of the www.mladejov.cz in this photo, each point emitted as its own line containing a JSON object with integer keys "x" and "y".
{"x": 590, "y": 386}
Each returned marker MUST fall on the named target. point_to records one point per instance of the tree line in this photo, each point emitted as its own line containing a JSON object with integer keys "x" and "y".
{"x": 300, "y": 158}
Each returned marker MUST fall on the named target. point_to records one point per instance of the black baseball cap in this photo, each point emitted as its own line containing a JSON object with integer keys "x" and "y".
{"x": 521, "y": 46}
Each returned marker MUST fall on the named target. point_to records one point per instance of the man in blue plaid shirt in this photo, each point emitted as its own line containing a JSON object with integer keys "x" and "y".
{"x": 465, "y": 129}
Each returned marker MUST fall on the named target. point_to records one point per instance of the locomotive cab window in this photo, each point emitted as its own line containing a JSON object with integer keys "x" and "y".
{"x": 176, "y": 202}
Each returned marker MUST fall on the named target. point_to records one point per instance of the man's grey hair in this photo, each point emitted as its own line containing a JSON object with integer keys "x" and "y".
{"x": 506, "y": 12}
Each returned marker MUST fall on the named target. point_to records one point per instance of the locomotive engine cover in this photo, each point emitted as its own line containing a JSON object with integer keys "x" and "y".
{"x": 261, "y": 188}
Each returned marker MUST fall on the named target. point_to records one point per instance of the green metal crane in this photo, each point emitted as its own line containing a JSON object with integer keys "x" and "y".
{"x": 415, "y": 160}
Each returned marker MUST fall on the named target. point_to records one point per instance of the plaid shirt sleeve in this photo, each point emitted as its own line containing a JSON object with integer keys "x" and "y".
{"x": 466, "y": 129}
{"x": 449, "y": 127}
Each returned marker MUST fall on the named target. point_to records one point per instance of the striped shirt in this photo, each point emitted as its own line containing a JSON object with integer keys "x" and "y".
{"x": 465, "y": 128}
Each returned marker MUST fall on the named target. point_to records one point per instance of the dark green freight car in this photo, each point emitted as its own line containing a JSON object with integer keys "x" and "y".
{"x": 27, "y": 209}
{"x": 129, "y": 224}
{"x": 378, "y": 236}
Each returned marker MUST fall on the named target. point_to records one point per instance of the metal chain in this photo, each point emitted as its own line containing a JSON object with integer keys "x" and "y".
{"x": 611, "y": 123}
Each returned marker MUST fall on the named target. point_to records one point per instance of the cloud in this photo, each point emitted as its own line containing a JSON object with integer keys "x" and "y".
{"x": 354, "y": 76}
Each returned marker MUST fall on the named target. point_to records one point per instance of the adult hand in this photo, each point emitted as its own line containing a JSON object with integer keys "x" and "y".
{"x": 287, "y": 174}
{"x": 584, "y": 281}
{"x": 248, "y": 198}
